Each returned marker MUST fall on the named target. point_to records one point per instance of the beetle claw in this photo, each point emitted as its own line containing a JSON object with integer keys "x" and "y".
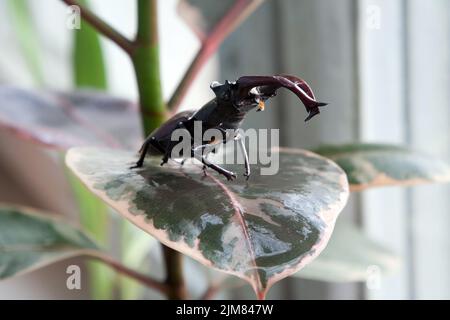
{"x": 311, "y": 114}
{"x": 136, "y": 165}
{"x": 267, "y": 86}
{"x": 230, "y": 176}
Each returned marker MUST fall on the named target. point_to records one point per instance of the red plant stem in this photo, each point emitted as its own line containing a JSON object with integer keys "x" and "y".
{"x": 103, "y": 27}
{"x": 210, "y": 292}
{"x": 235, "y": 15}
{"x": 119, "y": 267}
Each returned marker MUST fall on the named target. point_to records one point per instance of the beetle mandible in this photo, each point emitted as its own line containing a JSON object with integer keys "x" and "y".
{"x": 226, "y": 112}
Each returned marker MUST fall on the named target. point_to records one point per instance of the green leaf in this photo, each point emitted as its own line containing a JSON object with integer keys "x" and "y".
{"x": 136, "y": 245}
{"x": 25, "y": 31}
{"x": 62, "y": 120}
{"x": 31, "y": 239}
{"x": 350, "y": 256}
{"x": 95, "y": 219}
{"x": 88, "y": 59}
{"x": 89, "y": 72}
{"x": 374, "y": 165}
{"x": 262, "y": 230}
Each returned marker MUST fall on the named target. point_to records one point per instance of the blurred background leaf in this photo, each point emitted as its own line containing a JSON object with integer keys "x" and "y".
{"x": 371, "y": 165}
{"x": 24, "y": 27}
{"x": 61, "y": 120}
{"x": 349, "y": 256}
{"x": 95, "y": 220}
{"x": 88, "y": 58}
{"x": 30, "y": 239}
{"x": 89, "y": 72}
{"x": 135, "y": 247}
{"x": 64, "y": 119}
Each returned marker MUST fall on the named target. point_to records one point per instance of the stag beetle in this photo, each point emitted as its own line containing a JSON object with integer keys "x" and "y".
{"x": 226, "y": 112}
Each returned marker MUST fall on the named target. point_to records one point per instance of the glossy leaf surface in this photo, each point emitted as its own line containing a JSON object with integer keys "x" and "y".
{"x": 261, "y": 231}
{"x": 376, "y": 165}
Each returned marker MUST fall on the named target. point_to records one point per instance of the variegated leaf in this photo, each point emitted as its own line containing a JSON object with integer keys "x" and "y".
{"x": 30, "y": 239}
{"x": 64, "y": 120}
{"x": 374, "y": 165}
{"x": 262, "y": 230}
{"x": 350, "y": 256}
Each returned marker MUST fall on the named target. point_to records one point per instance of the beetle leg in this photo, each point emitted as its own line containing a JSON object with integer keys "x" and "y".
{"x": 228, "y": 174}
{"x": 207, "y": 147}
{"x": 171, "y": 145}
{"x": 204, "y": 165}
{"x": 203, "y": 154}
{"x": 244, "y": 153}
{"x": 225, "y": 134}
{"x": 151, "y": 141}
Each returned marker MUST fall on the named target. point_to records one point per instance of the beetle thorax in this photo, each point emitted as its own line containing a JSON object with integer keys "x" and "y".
{"x": 217, "y": 113}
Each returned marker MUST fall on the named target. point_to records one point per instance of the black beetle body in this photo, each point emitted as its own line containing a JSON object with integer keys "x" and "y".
{"x": 225, "y": 112}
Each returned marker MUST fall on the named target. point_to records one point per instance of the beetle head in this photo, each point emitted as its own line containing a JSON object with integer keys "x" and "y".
{"x": 251, "y": 92}
{"x": 229, "y": 93}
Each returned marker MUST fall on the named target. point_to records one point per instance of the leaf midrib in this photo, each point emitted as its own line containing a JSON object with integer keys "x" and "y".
{"x": 238, "y": 213}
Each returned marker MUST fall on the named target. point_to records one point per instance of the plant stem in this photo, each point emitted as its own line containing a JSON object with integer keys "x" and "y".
{"x": 219, "y": 285}
{"x": 149, "y": 282}
{"x": 152, "y": 106}
{"x": 240, "y": 10}
{"x": 103, "y": 27}
{"x": 174, "y": 277}
{"x": 194, "y": 68}
{"x": 145, "y": 59}
{"x": 153, "y": 110}
{"x": 144, "y": 53}
{"x": 95, "y": 219}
